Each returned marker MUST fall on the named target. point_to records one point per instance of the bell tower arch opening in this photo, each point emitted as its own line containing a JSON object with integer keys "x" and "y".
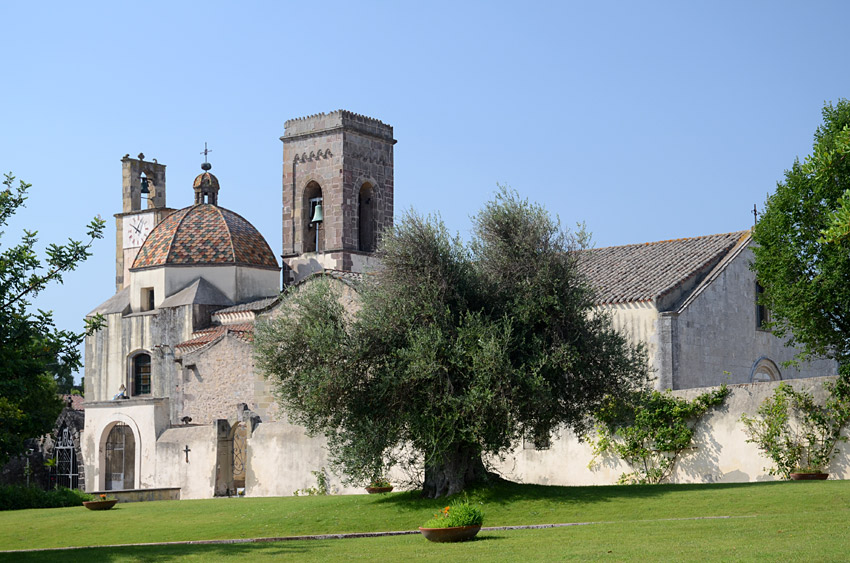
{"x": 366, "y": 240}
{"x": 313, "y": 219}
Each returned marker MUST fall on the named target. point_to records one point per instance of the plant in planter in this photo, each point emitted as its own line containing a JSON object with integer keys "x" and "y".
{"x": 103, "y": 502}
{"x": 379, "y": 485}
{"x": 457, "y": 522}
{"x": 798, "y": 435}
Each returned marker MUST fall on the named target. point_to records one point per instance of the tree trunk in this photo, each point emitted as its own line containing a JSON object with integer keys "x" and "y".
{"x": 458, "y": 468}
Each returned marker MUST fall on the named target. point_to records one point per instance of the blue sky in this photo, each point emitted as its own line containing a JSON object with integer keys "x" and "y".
{"x": 649, "y": 121}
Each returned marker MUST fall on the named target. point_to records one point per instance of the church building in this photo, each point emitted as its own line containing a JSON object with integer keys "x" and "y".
{"x": 174, "y": 407}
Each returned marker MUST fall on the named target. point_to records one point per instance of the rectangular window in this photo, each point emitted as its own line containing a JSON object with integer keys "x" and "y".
{"x": 142, "y": 375}
{"x": 761, "y": 310}
{"x": 528, "y": 443}
{"x": 147, "y": 299}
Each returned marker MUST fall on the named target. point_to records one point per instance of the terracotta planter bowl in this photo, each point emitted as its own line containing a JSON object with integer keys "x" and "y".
{"x": 376, "y": 490}
{"x": 99, "y": 504}
{"x": 459, "y": 533}
{"x": 809, "y": 476}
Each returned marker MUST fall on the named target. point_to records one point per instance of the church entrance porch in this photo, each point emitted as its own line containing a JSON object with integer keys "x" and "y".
{"x": 120, "y": 458}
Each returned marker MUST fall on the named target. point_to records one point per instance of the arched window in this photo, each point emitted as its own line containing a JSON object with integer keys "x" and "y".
{"x": 764, "y": 369}
{"x": 366, "y": 219}
{"x": 120, "y": 458}
{"x": 141, "y": 374}
{"x": 314, "y": 233}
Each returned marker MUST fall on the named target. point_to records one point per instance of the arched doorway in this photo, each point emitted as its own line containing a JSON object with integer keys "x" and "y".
{"x": 120, "y": 458}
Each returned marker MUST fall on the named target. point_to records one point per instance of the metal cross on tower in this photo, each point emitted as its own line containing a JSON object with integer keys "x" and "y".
{"x": 206, "y": 152}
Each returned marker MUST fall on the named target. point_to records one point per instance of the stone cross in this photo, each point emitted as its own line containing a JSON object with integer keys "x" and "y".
{"x": 187, "y": 450}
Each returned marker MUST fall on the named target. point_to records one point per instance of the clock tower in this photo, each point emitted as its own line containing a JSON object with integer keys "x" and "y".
{"x": 143, "y": 188}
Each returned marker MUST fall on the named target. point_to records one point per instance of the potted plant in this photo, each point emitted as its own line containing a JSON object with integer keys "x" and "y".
{"x": 102, "y": 503}
{"x": 796, "y": 433}
{"x": 379, "y": 485}
{"x": 458, "y": 522}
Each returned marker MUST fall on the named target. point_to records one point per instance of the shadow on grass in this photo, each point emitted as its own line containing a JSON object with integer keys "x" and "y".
{"x": 505, "y": 492}
{"x": 173, "y": 552}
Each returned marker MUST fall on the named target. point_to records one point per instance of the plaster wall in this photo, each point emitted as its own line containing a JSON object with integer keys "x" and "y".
{"x": 722, "y": 454}
{"x": 238, "y": 283}
{"x": 717, "y": 334}
{"x": 147, "y": 418}
{"x": 281, "y": 458}
{"x": 108, "y": 351}
{"x": 196, "y": 477}
{"x": 638, "y": 322}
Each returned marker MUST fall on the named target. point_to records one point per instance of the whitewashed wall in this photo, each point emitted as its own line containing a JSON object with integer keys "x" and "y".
{"x": 722, "y": 454}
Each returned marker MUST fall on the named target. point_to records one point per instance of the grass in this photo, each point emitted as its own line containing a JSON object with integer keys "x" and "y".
{"x": 787, "y": 520}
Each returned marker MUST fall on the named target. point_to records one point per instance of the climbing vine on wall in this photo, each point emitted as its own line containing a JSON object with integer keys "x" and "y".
{"x": 650, "y": 431}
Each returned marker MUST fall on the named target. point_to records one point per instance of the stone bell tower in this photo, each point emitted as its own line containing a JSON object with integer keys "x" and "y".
{"x": 337, "y": 192}
{"x": 143, "y": 193}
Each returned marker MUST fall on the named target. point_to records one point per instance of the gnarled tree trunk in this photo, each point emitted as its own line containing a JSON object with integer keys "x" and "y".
{"x": 460, "y": 467}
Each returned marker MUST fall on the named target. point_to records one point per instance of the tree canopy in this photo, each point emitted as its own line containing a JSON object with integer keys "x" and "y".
{"x": 457, "y": 352}
{"x": 802, "y": 257}
{"x": 32, "y": 349}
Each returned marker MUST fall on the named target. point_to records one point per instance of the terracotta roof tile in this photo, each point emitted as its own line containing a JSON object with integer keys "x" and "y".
{"x": 242, "y": 331}
{"x": 643, "y": 272}
{"x": 205, "y": 234}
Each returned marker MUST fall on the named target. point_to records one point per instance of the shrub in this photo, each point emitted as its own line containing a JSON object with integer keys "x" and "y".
{"x": 18, "y": 497}
{"x": 458, "y": 514}
{"x": 650, "y": 431}
{"x": 797, "y": 434}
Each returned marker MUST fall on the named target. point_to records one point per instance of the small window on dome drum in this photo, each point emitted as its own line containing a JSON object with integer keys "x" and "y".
{"x": 148, "y": 299}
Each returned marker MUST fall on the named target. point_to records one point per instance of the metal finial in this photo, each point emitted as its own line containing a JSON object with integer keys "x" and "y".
{"x": 205, "y": 153}
{"x": 755, "y": 214}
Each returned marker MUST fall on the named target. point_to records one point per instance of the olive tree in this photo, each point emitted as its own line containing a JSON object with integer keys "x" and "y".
{"x": 456, "y": 352}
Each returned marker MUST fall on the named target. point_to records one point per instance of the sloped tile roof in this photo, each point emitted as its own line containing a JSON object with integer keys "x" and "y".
{"x": 76, "y": 402}
{"x": 644, "y": 272}
{"x": 243, "y": 331}
{"x": 258, "y": 305}
{"x": 205, "y": 234}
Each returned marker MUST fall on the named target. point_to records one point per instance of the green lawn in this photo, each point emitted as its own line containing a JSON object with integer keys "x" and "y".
{"x": 805, "y": 521}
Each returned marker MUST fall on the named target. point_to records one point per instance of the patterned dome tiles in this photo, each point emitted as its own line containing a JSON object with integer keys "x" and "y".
{"x": 205, "y": 234}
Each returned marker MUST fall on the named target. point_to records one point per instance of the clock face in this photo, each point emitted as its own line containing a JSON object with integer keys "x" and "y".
{"x": 136, "y": 229}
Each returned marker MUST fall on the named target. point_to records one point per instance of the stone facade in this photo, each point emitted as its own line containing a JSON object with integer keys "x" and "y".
{"x": 346, "y": 160}
{"x": 219, "y": 377}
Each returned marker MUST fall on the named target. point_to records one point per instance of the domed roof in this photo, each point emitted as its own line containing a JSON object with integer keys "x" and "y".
{"x": 205, "y": 234}
{"x": 205, "y": 179}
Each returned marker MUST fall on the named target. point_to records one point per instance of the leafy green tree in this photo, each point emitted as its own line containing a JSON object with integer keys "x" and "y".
{"x": 457, "y": 352}
{"x": 32, "y": 349}
{"x": 802, "y": 258}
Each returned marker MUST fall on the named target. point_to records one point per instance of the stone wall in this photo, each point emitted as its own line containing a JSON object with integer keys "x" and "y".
{"x": 221, "y": 376}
